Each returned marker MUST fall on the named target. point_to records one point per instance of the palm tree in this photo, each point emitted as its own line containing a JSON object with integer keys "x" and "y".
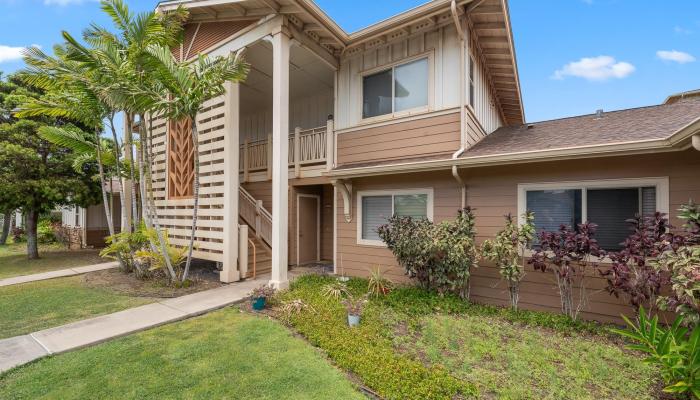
{"x": 72, "y": 91}
{"x": 180, "y": 90}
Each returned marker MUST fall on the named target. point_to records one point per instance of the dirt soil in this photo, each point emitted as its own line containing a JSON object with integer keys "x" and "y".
{"x": 119, "y": 282}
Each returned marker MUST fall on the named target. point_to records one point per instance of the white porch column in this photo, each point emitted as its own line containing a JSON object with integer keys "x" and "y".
{"x": 280, "y": 149}
{"x": 230, "y": 271}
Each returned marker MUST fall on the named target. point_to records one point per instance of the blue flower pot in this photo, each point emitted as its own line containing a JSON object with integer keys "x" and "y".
{"x": 258, "y": 303}
{"x": 353, "y": 320}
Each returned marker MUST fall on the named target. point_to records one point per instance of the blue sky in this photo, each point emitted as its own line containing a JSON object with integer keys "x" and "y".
{"x": 574, "y": 56}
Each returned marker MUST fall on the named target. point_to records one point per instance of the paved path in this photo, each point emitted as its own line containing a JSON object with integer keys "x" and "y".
{"x": 16, "y": 280}
{"x": 20, "y": 350}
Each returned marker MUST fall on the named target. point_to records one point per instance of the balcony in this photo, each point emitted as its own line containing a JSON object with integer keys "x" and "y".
{"x": 308, "y": 149}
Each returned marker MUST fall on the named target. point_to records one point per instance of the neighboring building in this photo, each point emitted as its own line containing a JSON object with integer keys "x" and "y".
{"x": 417, "y": 115}
{"x": 88, "y": 227}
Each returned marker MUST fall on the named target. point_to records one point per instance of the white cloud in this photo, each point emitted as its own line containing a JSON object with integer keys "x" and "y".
{"x": 63, "y": 3}
{"x": 10, "y": 53}
{"x": 599, "y": 68}
{"x": 676, "y": 56}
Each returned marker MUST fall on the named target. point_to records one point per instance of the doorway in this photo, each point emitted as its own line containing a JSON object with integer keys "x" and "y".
{"x": 308, "y": 228}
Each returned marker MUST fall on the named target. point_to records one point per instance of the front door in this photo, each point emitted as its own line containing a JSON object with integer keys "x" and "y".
{"x": 308, "y": 222}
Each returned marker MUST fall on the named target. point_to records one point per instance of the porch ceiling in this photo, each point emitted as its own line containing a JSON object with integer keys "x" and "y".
{"x": 308, "y": 75}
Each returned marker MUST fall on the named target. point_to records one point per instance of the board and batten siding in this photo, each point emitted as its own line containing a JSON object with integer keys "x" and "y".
{"x": 492, "y": 191}
{"x": 175, "y": 215}
{"x": 442, "y": 45}
{"x": 305, "y": 112}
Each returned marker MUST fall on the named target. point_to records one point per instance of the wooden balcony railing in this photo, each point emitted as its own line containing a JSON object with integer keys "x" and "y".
{"x": 306, "y": 147}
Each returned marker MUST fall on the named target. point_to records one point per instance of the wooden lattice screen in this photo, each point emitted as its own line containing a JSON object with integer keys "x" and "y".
{"x": 180, "y": 159}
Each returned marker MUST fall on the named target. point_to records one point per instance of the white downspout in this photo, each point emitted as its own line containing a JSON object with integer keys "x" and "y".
{"x": 462, "y": 102}
{"x": 696, "y": 141}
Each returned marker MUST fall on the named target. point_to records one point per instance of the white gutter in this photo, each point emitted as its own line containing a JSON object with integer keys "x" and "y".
{"x": 462, "y": 101}
{"x": 696, "y": 141}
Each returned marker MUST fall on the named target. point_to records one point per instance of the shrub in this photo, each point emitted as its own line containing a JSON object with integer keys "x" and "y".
{"x": 440, "y": 256}
{"x": 377, "y": 284}
{"x": 46, "y": 231}
{"x": 672, "y": 348}
{"x": 568, "y": 254}
{"x": 632, "y": 274}
{"x": 19, "y": 235}
{"x": 682, "y": 264}
{"x": 507, "y": 250}
{"x": 136, "y": 252}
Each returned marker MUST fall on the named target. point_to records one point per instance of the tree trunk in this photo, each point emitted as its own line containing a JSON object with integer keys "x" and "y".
{"x": 100, "y": 168}
{"x": 150, "y": 216}
{"x": 32, "y": 220}
{"x": 129, "y": 156}
{"x": 195, "y": 146}
{"x": 122, "y": 204}
{"x": 6, "y": 224}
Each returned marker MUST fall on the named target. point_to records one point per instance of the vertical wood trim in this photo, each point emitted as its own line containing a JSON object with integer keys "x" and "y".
{"x": 230, "y": 272}
{"x": 280, "y": 162}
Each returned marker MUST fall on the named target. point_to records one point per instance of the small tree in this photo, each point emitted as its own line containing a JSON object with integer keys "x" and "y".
{"x": 632, "y": 274}
{"x": 440, "y": 256}
{"x": 507, "y": 250}
{"x": 568, "y": 254}
{"x": 35, "y": 175}
{"x": 682, "y": 264}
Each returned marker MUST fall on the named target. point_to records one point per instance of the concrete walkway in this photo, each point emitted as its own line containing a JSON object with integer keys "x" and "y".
{"x": 20, "y": 350}
{"x": 16, "y": 280}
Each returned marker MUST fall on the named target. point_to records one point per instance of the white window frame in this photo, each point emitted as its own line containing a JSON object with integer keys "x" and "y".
{"x": 660, "y": 183}
{"x": 396, "y": 192}
{"x": 430, "y": 56}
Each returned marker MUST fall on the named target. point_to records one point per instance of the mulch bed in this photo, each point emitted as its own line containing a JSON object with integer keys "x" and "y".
{"x": 202, "y": 278}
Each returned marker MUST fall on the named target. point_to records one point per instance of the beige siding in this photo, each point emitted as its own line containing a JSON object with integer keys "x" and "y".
{"x": 493, "y": 192}
{"x": 422, "y": 137}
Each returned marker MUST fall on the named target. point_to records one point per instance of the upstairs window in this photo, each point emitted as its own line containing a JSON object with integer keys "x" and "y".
{"x": 400, "y": 88}
{"x": 608, "y": 205}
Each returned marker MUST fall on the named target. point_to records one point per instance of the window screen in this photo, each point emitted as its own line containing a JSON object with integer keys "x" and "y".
{"x": 610, "y": 209}
{"x": 554, "y": 208}
{"x": 411, "y": 85}
{"x": 376, "y": 93}
{"x": 375, "y": 211}
{"x": 411, "y": 205}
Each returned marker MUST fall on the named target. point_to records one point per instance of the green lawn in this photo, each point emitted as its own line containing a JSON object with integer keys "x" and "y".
{"x": 14, "y": 262}
{"x": 416, "y": 345}
{"x": 223, "y": 355}
{"x": 44, "y": 304}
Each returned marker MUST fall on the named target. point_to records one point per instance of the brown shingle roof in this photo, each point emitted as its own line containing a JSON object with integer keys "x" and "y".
{"x": 633, "y": 125}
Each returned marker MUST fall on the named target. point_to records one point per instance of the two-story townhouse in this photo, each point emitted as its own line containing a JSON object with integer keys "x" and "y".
{"x": 420, "y": 115}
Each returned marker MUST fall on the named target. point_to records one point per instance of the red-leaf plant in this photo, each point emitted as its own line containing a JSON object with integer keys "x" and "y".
{"x": 632, "y": 274}
{"x": 568, "y": 253}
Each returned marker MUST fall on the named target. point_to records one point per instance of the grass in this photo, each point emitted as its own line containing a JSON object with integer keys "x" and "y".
{"x": 415, "y": 344}
{"x": 44, "y": 304}
{"x": 14, "y": 262}
{"x": 223, "y": 355}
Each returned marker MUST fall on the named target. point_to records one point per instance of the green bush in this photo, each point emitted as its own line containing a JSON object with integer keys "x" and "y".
{"x": 440, "y": 256}
{"x": 674, "y": 349}
{"x": 45, "y": 231}
{"x": 366, "y": 350}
